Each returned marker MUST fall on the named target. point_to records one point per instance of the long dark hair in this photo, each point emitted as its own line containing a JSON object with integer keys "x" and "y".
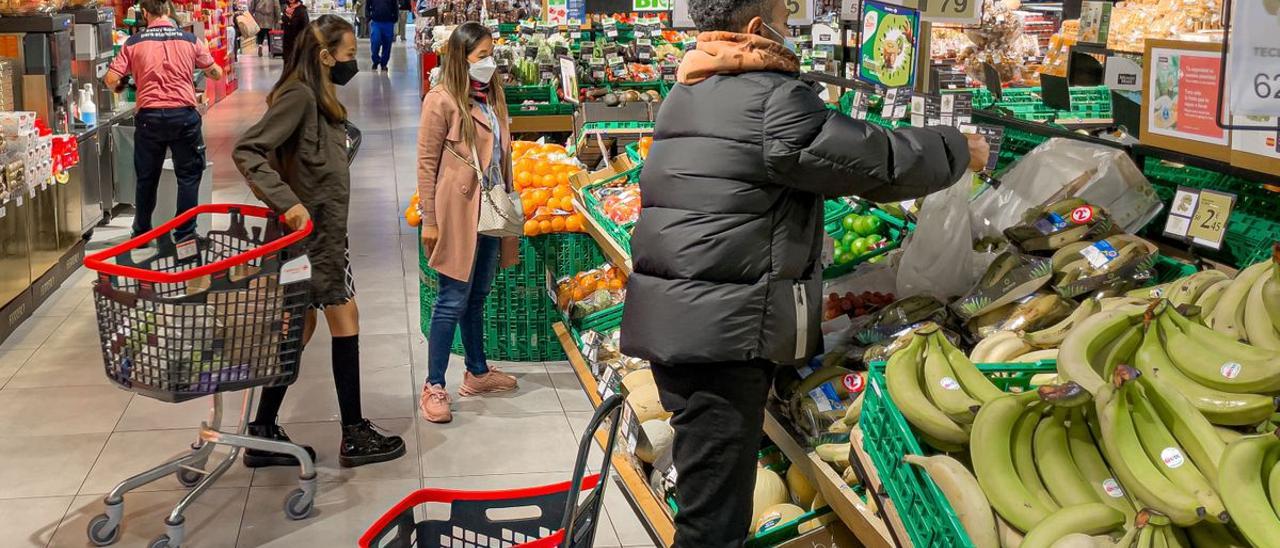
{"x": 456, "y": 75}
{"x": 324, "y": 33}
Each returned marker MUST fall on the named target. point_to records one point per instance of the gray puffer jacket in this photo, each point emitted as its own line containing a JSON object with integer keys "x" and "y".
{"x": 726, "y": 251}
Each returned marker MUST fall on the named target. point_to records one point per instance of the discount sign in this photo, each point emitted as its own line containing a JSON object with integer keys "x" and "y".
{"x": 1253, "y": 77}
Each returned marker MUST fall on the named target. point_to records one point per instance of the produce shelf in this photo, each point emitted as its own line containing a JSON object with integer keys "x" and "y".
{"x": 861, "y": 520}
{"x": 633, "y": 485}
{"x": 617, "y": 255}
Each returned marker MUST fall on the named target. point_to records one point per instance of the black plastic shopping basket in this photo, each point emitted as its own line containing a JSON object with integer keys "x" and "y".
{"x": 496, "y": 518}
{"x": 218, "y": 313}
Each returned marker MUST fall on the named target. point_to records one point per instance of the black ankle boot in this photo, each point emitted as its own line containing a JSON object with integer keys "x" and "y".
{"x": 254, "y": 458}
{"x": 363, "y": 444}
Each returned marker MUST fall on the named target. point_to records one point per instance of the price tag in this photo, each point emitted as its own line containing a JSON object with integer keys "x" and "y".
{"x": 644, "y": 43}
{"x": 950, "y": 11}
{"x": 799, "y": 13}
{"x": 1253, "y": 76}
{"x": 994, "y": 136}
{"x": 296, "y": 270}
{"x": 1209, "y": 223}
{"x": 575, "y": 35}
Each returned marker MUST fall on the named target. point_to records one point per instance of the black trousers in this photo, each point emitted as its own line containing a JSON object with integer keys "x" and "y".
{"x": 161, "y": 130}
{"x": 718, "y": 416}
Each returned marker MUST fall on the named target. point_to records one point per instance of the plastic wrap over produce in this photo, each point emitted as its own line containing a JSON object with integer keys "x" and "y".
{"x": 938, "y": 258}
{"x": 1060, "y": 168}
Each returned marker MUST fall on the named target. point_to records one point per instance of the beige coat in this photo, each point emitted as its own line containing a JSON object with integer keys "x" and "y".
{"x": 448, "y": 187}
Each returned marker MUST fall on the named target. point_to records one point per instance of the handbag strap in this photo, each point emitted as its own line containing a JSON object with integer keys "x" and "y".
{"x": 475, "y": 165}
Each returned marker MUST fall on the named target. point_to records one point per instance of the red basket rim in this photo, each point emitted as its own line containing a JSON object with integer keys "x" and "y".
{"x": 99, "y": 261}
{"x": 422, "y": 496}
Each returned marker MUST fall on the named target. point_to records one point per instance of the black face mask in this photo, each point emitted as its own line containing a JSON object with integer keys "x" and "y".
{"x": 343, "y": 72}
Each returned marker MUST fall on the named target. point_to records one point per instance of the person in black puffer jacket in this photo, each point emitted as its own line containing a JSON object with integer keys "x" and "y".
{"x": 727, "y": 282}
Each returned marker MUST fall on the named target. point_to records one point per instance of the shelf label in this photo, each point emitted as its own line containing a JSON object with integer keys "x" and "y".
{"x": 950, "y": 11}
{"x": 1253, "y": 78}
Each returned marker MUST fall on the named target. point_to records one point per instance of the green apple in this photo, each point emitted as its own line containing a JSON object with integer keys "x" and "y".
{"x": 859, "y": 247}
{"x": 846, "y": 258}
{"x": 840, "y": 256}
{"x": 874, "y": 240}
{"x": 848, "y": 238}
{"x": 867, "y": 225}
{"x": 848, "y": 221}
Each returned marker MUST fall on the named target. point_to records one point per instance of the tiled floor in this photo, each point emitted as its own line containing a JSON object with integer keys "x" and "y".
{"x": 67, "y": 436}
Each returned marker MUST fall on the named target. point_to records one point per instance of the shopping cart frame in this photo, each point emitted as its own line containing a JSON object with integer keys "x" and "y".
{"x": 190, "y": 469}
{"x": 397, "y": 526}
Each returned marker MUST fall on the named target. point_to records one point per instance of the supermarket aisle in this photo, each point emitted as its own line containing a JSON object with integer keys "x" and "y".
{"x": 67, "y": 435}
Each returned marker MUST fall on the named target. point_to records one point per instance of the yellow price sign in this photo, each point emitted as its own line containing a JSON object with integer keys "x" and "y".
{"x": 799, "y": 12}
{"x": 950, "y": 11}
{"x": 1209, "y": 223}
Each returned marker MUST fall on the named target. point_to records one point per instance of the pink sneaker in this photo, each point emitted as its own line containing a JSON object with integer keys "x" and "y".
{"x": 488, "y": 383}
{"x": 435, "y": 404}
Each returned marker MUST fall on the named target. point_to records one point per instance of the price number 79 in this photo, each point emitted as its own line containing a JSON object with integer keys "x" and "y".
{"x": 945, "y": 6}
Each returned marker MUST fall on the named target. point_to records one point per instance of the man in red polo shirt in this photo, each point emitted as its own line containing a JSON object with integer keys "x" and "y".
{"x": 162, "y": 59}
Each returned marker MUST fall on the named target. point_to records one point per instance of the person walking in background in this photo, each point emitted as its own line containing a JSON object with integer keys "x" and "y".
{"x": 403, "y": 20}
{"x": 293, "y": 22}
{"x": 463, "y": 143}
{"x": 727, "y": 283}
{"x": 162, "y": 60}
{"x": 295, "y": 159}
{"x": 267, "y": 14}
{"x": 382, "y": 15}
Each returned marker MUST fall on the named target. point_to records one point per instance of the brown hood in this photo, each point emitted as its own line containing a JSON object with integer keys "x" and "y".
{"x": 733, "y": 53}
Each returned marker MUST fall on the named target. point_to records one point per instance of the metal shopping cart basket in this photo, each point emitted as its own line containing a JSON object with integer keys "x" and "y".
{"x": 208, "y": 315}
{"x": 551, "y": 516}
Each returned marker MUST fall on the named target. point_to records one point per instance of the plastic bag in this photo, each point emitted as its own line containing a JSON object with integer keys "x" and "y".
{"x": 1061, "y": 168}
{"x": 937, "y": 259}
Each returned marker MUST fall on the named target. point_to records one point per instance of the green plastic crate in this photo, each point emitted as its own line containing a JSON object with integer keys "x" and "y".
{"x": 897, "y": 228}
{"x": 620, "y": 233}
{"x": 633, "y": 152}
{"x": 547, "y": 101}
{"x": 930, "y": 520}
{"x": 518, "y": 313}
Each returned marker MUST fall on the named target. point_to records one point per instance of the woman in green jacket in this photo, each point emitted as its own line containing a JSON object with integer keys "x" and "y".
{"x": 295, "y": 159}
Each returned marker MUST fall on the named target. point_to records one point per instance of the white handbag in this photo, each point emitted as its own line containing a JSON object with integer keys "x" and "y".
{"x": 499, "y": 215}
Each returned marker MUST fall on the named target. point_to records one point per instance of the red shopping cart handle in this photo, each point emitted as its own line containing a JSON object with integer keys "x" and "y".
{"x": 100, "y": 261}
{"x": 423, "y": 496}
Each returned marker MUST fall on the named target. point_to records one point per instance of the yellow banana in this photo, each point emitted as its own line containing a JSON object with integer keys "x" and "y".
{"x": 1088, "y": 459}
{"x": 982, "y": 350}
{"x": 1091, "y": 519}
{"x": 1191, "y": 429}
{"x": 1245, "y": 493}
{"x": 965, "y": 495}
{"x": 1008, "y": 349}
{"x": 1051, "y": 337}
{"x": 974, "y": 382}
{"x": 992, "y": 456}
{"x": 1208, "y": 300}
{"x": 1169, "y": 456}
{"x": 940, "y": 381}
{"x": 1119, "y": 351}
{"x": 1221, "y": 364}
{"x": 1085, "y": 341}
{"x": 1188, "y": 289}
{"x": 1258, "y": 328}
{"x": 1053, "y": 459}
{"x": 1129, "y": 461}
{"x": 902, "y": 374}
{"x": 1024, "y": 459}
{"x": 1219, "y": 407}
{"x": 1228, "y": 315}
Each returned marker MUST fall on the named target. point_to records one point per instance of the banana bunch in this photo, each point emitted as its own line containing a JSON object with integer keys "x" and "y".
{"x": 1248, "y": 307}
{"x": 1250, "y": 483}
{"x": 1054, "y": 226}
{"x": 937, "y": 388}
{"x": 1088, "y": 260}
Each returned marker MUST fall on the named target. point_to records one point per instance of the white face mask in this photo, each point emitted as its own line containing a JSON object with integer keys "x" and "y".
{"x": 482, "y": 70}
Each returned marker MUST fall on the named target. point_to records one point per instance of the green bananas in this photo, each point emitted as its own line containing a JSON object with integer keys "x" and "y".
{"x": 902, "y": 374}
{"x": 1244, "y": 489}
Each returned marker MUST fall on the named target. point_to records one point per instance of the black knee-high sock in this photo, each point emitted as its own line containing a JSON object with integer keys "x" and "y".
{"x": 346, "y": 377}
{"x": 269, "y": 404}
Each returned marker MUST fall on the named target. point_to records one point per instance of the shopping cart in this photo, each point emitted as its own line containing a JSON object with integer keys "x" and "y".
{"x": 202, "y": 317}
{"x": 497, "y": 518}
{"x": 275, "y": 43}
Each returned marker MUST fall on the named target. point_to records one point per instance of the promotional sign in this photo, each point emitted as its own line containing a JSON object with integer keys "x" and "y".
{"x": 569, "y": 78}
{"x": 889, "y": 37}
{"x": 1253, "y": 75}
{"x": 650, "y": 5}
{"x": 1199, "y": 216}
{"x": 1095, "y": 21}
{"x": 557, "y": 11}
{"x": 1180, "y": 98}
{"x": 965, "y": 12}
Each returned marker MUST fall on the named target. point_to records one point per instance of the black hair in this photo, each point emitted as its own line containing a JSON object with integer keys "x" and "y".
{"x": 155, "y": 7}
{"x": 726, "y": 15}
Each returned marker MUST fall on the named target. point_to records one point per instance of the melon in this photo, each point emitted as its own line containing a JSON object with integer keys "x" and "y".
{"x": 818, "y": 502}
{"x": 657, "y": 438}
{"x": 802, "y": 492}
{"x": 638, "y": 378}
{"x": 644, "y": 402}
{"x": 769, "y": 491}
{"x": 816, "y": 523}
{"x": 776, "y": 515}
{"x": 835, "y": 453}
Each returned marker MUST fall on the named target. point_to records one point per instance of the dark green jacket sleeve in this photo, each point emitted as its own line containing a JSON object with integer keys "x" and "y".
{"x": 253, "y": 152}
{"x": 816, "y": 149}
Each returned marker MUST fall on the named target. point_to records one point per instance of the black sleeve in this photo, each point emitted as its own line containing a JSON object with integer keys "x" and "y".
{"x": 813, "y": 148}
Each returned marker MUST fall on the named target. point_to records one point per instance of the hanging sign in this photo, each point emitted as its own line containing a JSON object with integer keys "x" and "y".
{"x": 1253, "y": 76}
{"x": 950, "y": 11}
{"x": 888, "y": 53}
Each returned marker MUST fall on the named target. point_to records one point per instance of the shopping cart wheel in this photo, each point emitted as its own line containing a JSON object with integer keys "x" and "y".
{"x": 298, "y": 505}
{"x": 188, "y": 478}
{"x": 102, "y": 532}
{"x": 161, "y": 541}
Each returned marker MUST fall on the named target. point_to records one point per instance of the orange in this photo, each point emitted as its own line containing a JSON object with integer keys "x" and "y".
{"x": 544, "y": 227}
{"x": 412, "y": 216}
{"x": 529, "y": 207}
{"x": 616, "y": 284}
{"x": 541, "y": 167}
{"x": 557, "y": 224}
{"x": 573, "y": 223}
{"x": 414, "y": 200}
{"x": 531, "y": 228}
{"x": 548, "y": 180}
{"x": 524, "y": 179}
{"x": 539, "y": 196}
{"x": 560, "y": 191}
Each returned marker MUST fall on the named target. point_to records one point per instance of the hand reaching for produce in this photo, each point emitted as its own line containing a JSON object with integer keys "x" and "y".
{"x": 430, "y": 235}
{"x": 979, "y": 151}
{"x": 297, "y": 216}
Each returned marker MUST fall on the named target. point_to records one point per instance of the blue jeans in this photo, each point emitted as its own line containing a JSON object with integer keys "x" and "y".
{"x": 381, "y": 35}
{"x": 178, "y": 130}
{"x": 461, "y": 305}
